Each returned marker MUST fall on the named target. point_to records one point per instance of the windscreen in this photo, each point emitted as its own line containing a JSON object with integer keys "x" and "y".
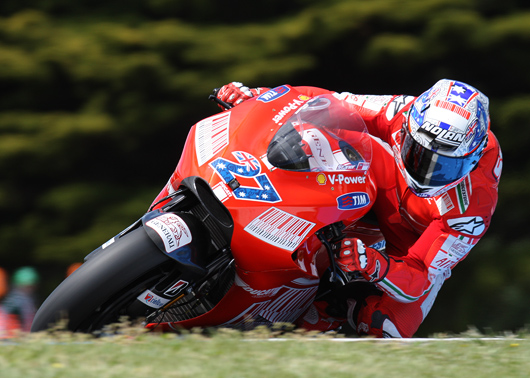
{"x": 326, "y": 134}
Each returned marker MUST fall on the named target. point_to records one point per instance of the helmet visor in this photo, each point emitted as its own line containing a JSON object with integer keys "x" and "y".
{"x": 432, "y": 169}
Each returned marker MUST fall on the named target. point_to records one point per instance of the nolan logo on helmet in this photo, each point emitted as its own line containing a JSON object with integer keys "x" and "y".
{"x": 442, "y": 134}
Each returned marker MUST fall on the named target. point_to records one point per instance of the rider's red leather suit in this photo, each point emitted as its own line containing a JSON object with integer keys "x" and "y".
{"x": 426, "y": 237}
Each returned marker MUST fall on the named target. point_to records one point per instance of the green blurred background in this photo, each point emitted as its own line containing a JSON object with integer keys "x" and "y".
{"x": 97, "y": 97}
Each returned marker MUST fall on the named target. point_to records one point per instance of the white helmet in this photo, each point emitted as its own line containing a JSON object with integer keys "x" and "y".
{"x": 444, "y": 136}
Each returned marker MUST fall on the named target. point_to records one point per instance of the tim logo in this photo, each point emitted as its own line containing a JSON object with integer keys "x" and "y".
{"x": 273, "y": 94}
{"x": 352, "y": 201}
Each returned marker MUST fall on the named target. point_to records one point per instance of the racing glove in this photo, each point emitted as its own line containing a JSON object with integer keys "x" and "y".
{"x": 354, "y": 256}
{"x": 235, "y": 93}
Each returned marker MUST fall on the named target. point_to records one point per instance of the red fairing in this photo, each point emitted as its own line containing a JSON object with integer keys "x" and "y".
{"x": 279, "y": 260}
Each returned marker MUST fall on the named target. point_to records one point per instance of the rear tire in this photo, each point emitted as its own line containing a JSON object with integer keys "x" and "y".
{"x": 100, "y": 291}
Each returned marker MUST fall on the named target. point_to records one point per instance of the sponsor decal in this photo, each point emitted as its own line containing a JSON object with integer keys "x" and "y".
{"x": 287, "y": 306}
{"x": 444, "y": 203}
{"x": 176, "y": 288}
{"x": 173, "y": 231}
{"x": 359, "y": 166}
{"x": 295, "y": 104}
{"x": 443, "y": 261}
{"x": 497, "y": 170}
{"x": 247, "y": 167}
{"x": 320, "y": 148}
{"x": 442, "y": 133}
{"x": 380, "y": 246}
{"x": 273, "y": 94}
{"x": 397, "y": 105}
{"x": 211, "y": 136}
{"x": 462, "y": 194}
{"x": 151, "y": 299}
{"x": 346, "y": 179}
{"x": 221, "y": 191}
{"x": 255, "y": 292}
{"x": 352, "y": 201}
{"x": 279, "y": 228}
{"x": 468, "y": 225}
{"x": 369, "y": 102}
{"x": 453, "y": 250}
{"x": 375, "y": 275}
{"x": 362, "y": 166}
{"x": 459, "y": 247}
{"x": 321, "y": 179}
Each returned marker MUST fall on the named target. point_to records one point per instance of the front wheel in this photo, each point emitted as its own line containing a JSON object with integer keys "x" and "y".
{"x": 105, "y": 286}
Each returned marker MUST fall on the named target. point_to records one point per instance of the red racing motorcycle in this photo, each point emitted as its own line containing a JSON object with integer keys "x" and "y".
{"x": 244, "y": 232}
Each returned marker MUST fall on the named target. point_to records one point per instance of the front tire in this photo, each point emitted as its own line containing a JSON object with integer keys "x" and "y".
{"x": 100, "y": 291}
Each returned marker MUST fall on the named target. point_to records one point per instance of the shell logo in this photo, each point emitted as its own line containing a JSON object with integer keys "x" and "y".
{"x": 321, "y": 179}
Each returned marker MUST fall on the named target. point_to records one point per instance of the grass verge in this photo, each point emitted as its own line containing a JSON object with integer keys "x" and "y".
{"x": 260, "y": 353}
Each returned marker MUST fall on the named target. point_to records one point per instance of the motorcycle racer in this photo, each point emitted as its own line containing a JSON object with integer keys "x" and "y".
{"x": 438, "y": 203}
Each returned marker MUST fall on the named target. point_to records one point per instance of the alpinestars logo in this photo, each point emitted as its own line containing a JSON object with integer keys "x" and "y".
{"x": 396, "y": 105}
{"x": 468, "y": 225}
{"x": 375, "y": 275}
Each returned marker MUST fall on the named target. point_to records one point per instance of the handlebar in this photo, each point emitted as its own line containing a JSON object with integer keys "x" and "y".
{"x": 213, "y": 97}
{"x": 330, "y": 242}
